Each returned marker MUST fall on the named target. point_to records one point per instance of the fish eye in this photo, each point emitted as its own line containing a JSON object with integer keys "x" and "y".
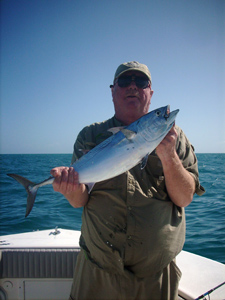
{"x": 158, "y": 113}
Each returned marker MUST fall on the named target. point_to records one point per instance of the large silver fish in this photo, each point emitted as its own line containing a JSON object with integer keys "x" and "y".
{"x": 119, "y": 153}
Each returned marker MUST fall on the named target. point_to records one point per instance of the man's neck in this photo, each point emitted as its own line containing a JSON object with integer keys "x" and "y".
{"x": 127, "y": 120}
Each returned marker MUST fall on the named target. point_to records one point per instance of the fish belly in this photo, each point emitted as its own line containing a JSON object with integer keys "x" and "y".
{"x": 109, "y": 163}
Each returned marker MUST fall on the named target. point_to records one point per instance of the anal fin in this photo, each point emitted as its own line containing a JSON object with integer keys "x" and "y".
{"x": 90, "y": 186}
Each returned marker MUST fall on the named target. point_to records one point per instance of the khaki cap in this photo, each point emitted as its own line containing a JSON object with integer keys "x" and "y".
{"x": 132, "y": 66}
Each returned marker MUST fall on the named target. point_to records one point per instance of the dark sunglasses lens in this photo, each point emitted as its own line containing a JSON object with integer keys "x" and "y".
{"x": 124, "y": 81}
{"x": 140, "y": 82}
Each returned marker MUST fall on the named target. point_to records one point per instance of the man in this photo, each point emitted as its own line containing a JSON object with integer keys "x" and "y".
{"x": 133, "y": 225}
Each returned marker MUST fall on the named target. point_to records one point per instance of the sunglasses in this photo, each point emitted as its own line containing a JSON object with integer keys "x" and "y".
{"x": 125, "y": 81}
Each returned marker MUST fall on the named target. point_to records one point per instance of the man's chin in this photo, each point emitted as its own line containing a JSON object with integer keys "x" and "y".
{"x": 133, "y": 100}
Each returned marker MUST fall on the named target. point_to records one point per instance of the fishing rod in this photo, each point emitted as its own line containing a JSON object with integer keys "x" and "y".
{"x": 210, "y": 291}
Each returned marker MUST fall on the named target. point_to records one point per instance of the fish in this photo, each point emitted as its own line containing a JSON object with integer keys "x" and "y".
{"x": 126, "y": 148}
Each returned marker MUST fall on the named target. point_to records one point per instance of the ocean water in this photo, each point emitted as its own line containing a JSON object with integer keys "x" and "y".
{"x": 205, "y": 216}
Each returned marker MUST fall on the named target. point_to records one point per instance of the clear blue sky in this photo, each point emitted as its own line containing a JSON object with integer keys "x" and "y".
{"x": 58, "y": 58}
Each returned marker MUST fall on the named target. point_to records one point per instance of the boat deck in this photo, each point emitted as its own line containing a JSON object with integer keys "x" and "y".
{"x": 39, "y": 266}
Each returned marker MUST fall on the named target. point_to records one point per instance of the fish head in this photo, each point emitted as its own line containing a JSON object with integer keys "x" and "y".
{"x": 156, "y": 124}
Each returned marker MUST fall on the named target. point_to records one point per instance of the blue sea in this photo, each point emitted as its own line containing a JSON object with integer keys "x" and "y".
{"x": 205, "y": 216}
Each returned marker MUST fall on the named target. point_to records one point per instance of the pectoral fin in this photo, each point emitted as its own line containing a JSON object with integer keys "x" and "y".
{"x": 129, "y": 134}
{"x": 114, "y": 130}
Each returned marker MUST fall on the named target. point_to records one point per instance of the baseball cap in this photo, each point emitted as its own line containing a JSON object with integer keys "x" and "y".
{"x": 132, "y": 66}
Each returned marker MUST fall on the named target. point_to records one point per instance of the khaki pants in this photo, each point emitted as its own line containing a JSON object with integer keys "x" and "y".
{"x": 92, "y": 283}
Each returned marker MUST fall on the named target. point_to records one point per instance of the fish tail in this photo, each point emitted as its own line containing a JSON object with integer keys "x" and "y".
{"x": 31, "y": 189}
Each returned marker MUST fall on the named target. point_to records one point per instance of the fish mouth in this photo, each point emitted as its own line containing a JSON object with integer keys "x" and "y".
{"x": 167, "y": 114}
{"x": 170, "y": 115}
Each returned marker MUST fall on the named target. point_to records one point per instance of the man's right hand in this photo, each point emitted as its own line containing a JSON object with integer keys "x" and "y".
{"x": 67, "y": 183}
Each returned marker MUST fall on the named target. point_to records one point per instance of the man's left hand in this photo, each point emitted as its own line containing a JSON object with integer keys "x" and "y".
{"x": 167, "y": 148}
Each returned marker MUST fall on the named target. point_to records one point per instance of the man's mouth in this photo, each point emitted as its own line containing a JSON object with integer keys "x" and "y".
{"x": 132, "y": 96}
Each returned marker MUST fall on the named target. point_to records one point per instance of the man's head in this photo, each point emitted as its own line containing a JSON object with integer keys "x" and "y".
{"x": 131, "y": 91}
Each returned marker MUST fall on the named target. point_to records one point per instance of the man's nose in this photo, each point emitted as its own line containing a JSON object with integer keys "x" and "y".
{"x": 132, "y": 85}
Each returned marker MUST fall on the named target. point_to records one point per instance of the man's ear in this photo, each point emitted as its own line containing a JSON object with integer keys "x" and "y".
{"x": 112, "y": 89}
{"x": 151, "y": 93}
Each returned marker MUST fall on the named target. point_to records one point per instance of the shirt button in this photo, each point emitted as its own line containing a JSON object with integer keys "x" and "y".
{"x": 129, "y": 207}
{"x": 129, "y": 237}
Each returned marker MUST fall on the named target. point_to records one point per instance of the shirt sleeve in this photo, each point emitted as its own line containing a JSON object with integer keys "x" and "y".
{"x": 189, "y": 160}
{"x": 85, "y": 142}
{"x": 78, "y": 147}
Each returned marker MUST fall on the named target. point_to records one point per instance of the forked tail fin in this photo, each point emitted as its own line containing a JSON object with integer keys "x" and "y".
{"x": 31, "y": 189}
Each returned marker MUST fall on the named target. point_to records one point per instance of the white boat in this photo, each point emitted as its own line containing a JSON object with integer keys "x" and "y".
{"x": 39, "y": 266}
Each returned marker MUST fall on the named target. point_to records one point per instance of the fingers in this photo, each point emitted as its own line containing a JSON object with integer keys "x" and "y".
{"x": 171, "y": 137}
{"x": 57, "y": 171}
{"x": 72, "y": 180}
{"x": 66, "y": 180}
{"x": 173, "y": 131}
{"x": 167, "y": 148}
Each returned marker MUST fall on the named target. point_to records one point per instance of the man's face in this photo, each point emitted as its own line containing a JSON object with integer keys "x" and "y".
{"x": 131, "y": 102}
